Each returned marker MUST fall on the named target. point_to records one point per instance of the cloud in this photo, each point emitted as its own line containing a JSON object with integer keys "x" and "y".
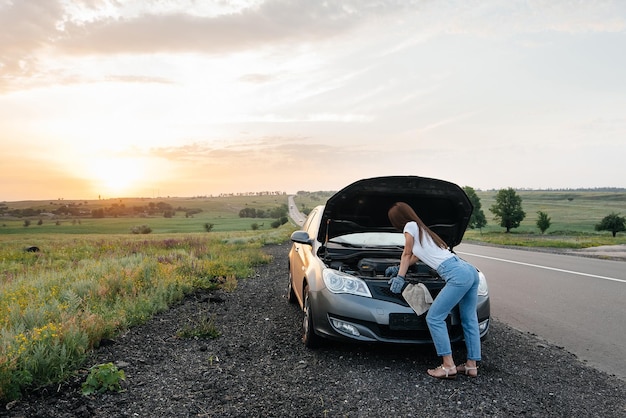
{"x": 271, "y": 22}
{"x": 138, "y": 79}
{"x": 447, "y": 121}
{"x": 257, "y": 78}
{"x": 295, "y": 163}
{"x": 36, "y": 32}
{"x": 27, "y": 26}
{"x": 270, "y": 154}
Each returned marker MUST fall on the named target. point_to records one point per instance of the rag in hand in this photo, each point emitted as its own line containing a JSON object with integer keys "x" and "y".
{"x": 418, "y": 297}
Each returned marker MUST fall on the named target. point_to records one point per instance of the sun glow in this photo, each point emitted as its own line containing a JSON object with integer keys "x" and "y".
{"x": 115, "y": 177}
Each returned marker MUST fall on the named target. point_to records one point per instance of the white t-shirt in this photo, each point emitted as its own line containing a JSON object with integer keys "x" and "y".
{"x": 427, "y": 251}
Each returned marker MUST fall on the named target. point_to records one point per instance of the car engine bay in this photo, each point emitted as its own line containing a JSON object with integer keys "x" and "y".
{"x": 372, "y": 267}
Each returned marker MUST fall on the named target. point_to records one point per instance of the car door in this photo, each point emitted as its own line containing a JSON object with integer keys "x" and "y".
{"x": 302, "y": 254}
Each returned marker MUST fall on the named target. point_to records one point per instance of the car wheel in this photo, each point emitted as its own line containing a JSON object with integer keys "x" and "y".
{"x": 291, "y": 295}
{"x": 309, "y": 337}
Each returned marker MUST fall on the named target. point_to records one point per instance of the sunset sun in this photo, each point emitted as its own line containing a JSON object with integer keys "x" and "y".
{"x": 117, "y": 176}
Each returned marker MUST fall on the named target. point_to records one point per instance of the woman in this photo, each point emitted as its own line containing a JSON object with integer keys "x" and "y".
{"x": 461, "y": 288}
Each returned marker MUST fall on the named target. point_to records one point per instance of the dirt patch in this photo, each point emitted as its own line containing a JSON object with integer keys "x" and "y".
{"x": 609, "y": 252}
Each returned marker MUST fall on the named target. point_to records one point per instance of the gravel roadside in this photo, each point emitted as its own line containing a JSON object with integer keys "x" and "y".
{"x": 258, "y": 367}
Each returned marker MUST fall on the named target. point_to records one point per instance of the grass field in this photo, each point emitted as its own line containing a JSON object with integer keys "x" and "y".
{"x": 573, "y": 212}
{"x": 222, "y": 212}
{"x": 573, "y": 218}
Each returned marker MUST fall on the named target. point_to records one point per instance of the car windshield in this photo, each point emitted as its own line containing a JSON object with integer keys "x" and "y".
{"x": 371, "y": 239}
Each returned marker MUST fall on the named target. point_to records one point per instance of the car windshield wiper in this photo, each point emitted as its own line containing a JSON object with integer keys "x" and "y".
{"x": 373, "y": 247}
{"x": 391, "y": 246}
{"x": 345, "y": 244}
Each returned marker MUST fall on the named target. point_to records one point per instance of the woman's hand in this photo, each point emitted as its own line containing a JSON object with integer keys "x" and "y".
{"x": 397, "y": 283}
{"x": 392, "y": 271}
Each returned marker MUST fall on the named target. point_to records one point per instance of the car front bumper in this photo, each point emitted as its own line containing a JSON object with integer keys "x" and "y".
{"x": 356, "y": 318}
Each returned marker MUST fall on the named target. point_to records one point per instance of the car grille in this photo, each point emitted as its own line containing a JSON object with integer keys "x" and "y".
{"x": 410, "y": 327}
{"x": 456, "y": 333}
{"x": 380, "y": 290}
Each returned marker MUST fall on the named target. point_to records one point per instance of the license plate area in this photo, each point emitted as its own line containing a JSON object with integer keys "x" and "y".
{"x": 407, "y": 322}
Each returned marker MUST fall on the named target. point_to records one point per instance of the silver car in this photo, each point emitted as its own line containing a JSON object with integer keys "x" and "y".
{"x": 337, "y": 262}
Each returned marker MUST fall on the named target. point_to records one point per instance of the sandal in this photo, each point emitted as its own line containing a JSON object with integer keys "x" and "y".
{"x": 447, "y": 370}
{"x": 467, "y": 371}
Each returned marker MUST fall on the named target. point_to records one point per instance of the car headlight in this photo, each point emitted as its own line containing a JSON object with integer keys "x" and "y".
{"x": 338, "y": 282}
{"x": 483, "y": 289}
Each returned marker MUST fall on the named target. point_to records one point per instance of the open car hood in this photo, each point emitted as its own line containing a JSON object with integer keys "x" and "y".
{"x": 362, "y": 207}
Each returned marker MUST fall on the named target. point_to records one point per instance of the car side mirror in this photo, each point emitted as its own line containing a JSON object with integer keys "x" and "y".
{"x": 302, "y": 237}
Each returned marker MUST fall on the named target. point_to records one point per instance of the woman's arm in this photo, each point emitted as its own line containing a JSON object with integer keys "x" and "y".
{"x": 407, "y": 258}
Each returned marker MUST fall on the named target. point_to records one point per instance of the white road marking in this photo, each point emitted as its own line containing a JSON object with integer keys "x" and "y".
{"x": 545, "y": 267}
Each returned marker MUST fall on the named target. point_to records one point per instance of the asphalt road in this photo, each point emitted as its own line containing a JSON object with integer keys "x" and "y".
{"x": 294, "y": 213}
{"x": 571, "y": 301}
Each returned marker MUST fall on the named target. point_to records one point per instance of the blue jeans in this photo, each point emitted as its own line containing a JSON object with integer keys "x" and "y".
{"x": 461, "y": 288}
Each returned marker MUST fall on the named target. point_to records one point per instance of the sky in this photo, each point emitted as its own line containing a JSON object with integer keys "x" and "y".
{"x": 114, "y": 98}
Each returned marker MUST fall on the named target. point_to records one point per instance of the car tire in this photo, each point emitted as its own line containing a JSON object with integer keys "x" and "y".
{"x": 309, "y": 337}
{"x": 291, "y": 295}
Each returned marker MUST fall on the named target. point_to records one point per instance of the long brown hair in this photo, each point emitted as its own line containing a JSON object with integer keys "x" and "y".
{"x": 401, "y": 213}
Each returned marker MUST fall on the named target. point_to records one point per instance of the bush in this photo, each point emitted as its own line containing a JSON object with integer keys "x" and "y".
{"x": 543, "y": 221}
{"x": 102, "y": 378}
{"x": 142, "y": 229}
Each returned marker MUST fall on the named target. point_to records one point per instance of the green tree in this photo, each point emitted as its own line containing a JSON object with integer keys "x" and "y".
{"x": 478, "y": 219}
{"x": 508, "y": 209}
{"x": 613, "y": 223}
{"x": 248, "y": 213}
{"x": 543, "y": 221}
{"x": 280, "y": 211}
